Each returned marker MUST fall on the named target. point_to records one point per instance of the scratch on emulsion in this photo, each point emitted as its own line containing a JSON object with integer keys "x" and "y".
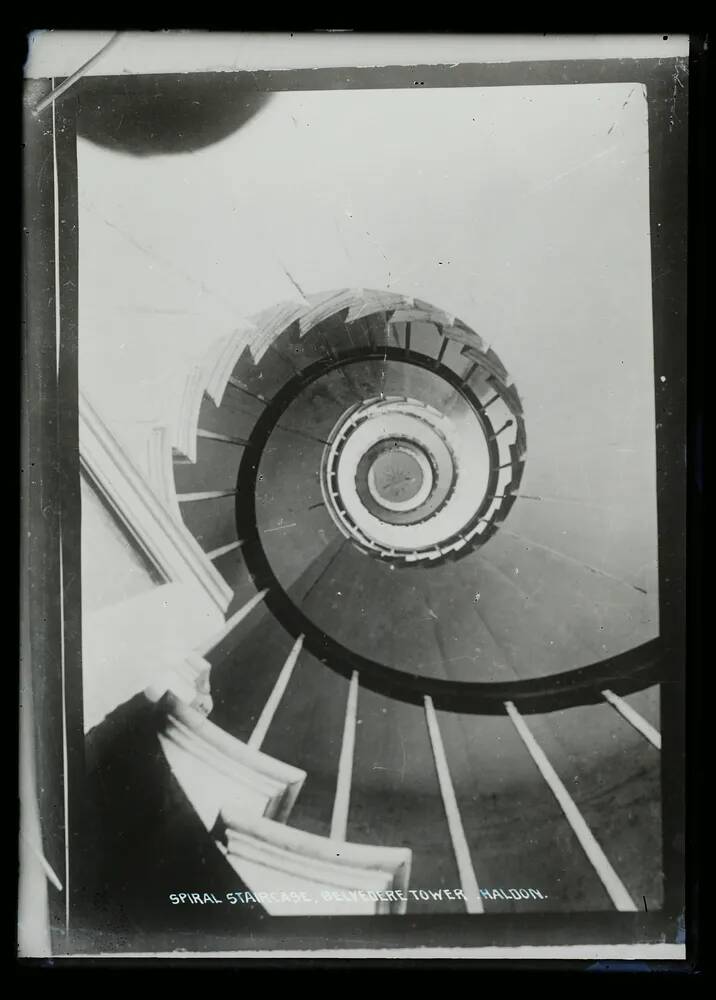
{"x": 680, "y": 65}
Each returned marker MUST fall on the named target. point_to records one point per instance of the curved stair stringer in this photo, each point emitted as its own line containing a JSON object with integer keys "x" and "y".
{"x": 265, "y": 328}
{"x": 294, "y": 872}
{"x": 207, "y": 384}
{"x": 211, "y": 376}
{"x": 217, "y": 771}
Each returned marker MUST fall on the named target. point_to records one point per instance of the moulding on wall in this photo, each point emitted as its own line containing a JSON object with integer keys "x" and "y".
{"x": 160, "y": 534}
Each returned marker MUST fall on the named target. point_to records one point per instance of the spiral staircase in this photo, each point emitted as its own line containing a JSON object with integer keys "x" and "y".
{"x": 406, "y": 692}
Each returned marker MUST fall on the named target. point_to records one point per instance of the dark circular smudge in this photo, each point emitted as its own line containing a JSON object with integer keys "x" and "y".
{"x": 164, "y": 115}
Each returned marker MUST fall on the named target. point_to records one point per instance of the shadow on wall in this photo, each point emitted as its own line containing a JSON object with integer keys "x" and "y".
{"x": 163, "y": 114}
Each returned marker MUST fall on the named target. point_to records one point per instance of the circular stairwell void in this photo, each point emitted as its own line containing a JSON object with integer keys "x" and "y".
{"x": 375, "y": 404}
{"x": 403, "y": 481}
{"x": 382, "y": 448}
{"x": 400, "y": 475}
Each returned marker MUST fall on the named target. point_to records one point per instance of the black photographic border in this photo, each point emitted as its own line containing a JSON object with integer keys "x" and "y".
{"x": 51, "y": 555}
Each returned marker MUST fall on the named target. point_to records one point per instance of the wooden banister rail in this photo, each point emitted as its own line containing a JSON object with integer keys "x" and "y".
{"x": 461, "y": 849}
{"x": 341, "y": 804}
{"x": 274, "y": 699}
{"x": 231, "y": 623}
{"x": 633, "y": 718}
{"x": 602, "y": 866}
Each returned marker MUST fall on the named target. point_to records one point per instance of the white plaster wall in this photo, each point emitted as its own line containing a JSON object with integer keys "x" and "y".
{"x": 137, "y": 644}
{"x": 106, "y": 546}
